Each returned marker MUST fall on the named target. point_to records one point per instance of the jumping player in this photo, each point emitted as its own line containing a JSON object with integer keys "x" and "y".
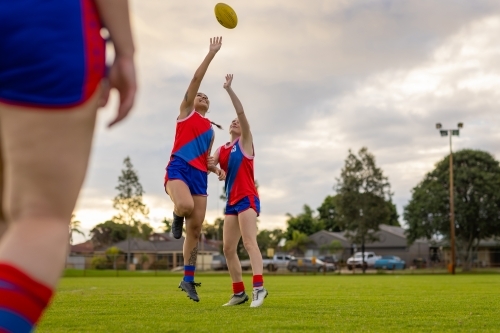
{"x": 51, "y": 70}
{"x": 186, "y": 172}
{"x": 243, "y": 205}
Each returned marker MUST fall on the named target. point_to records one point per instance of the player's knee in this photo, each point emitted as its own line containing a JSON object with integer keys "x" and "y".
{"x": 250, "y": 245}
{"x": 184, "y": 208}
{"x": 229, "y": 250}
{"x": 193, "y": 231}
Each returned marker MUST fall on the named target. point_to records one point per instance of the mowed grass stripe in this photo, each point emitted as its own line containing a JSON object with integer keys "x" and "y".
{"x": 468, "y": 303}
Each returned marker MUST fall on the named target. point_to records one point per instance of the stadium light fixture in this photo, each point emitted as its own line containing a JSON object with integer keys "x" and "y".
{"x": 451, "y": 133}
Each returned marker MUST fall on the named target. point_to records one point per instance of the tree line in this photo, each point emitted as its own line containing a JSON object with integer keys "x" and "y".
{"x": 362, "y": 201}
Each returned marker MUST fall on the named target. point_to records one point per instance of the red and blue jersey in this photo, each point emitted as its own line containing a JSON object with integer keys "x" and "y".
{"x": 193, "y": 135}
{"x": 52, "y": 52}
{"x": 239, "y": 170}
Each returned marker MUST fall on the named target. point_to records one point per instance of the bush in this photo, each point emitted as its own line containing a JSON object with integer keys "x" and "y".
{"x": 99, "y": 263}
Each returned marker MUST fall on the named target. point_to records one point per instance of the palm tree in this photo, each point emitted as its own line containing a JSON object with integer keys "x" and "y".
{"x": 298, "y": 243}
{"x": 74, "y": 226}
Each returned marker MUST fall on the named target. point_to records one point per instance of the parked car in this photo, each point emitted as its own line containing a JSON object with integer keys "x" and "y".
{"x": 306, "y": 265}
{"x": 271, "y": 264}
{"x": 329, "y": 259}
{"x": 357, "y": 260}
{"x": 390, "y": 262}
{"x": 218, "y": 263}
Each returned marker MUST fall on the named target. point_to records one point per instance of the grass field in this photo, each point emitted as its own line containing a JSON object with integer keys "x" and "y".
{"x": 373, "y": 303}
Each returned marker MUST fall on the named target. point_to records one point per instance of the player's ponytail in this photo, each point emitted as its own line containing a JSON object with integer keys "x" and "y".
{"x": 218, "y": 126}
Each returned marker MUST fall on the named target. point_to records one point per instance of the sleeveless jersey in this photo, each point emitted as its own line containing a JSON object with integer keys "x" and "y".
{"x": 239, "y": 170}
{"x": 193, "y": 135}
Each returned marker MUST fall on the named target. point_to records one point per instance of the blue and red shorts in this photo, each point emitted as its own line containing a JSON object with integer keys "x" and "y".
{"x": 52, "y": 54}
{"x": 244, "y": 204}
{"x": 195, "y": 179}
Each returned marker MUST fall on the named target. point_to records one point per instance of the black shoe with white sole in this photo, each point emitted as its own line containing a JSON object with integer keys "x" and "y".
{"x": 190, "y": 289}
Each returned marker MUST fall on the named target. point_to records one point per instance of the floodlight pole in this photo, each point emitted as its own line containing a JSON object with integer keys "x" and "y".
{"x": 452, "y": 203}
{"x": 452, "y": 212}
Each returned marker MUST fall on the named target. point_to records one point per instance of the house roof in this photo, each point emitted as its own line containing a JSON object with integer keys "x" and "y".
{"x": 136, "y": 244}
{"x": 169, "y": 244}
{"x": 397, "y": 231}
{"x": 85, "y": 247}
{"x": 389, "y": 236}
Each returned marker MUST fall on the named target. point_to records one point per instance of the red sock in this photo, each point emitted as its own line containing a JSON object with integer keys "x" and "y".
{"x": 22, "y": 300}
{"x": 258, "y": 281}
{"x": 238, "y": 287}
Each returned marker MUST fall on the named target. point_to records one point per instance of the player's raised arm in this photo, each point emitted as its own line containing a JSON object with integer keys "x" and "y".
{"x": 115, "y": 17}
{"x": 246, "y": 134}
{"x": 188, "y": 101}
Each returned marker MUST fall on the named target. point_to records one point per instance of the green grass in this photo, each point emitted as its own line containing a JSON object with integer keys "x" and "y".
{"x": 372, "y": 303}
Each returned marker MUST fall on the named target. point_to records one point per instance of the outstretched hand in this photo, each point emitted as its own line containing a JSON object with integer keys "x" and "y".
{"x": 229, "y": 80}
{"x": 215, "y": 44}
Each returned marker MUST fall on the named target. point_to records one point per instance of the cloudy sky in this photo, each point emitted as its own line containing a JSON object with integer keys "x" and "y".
{"x": 316, "y": 78}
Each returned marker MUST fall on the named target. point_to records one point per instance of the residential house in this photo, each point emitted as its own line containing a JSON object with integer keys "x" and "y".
{"x": 80, "y": 255}
{"x": 391, "y": 241}
{"x": 163, "y": 251}
{"x": 487, "y": 254}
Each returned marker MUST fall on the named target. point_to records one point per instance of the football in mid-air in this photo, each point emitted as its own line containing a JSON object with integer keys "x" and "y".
{"x": 226, "y": 15}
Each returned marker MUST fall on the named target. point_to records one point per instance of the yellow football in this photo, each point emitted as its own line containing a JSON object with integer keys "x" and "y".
{"x": 226, "y": 16}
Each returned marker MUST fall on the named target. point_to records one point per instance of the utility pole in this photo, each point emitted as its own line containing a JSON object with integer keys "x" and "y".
{"x": 452, "y": 132}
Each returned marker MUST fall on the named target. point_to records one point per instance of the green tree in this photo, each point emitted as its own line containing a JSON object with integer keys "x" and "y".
{"x": 128, "y": 201}
{"x": 393, "y": 218}
{"x": 304, "y": 222}
{"x": 364, "y": 192}
{"x": 328, "y": 213}
{"x": 269, "y": 239}
{"x": 213, "y": 231}
{"x": 298, "y": 243}
{"x": 219, "y": 225}
{"x": 109, "y": 232}
{"x": 477, "y": 202}
{"x": 264, "y": 240}
{"x": 74, "y": 227}
{"x": 167, "y": 224}
{"x": 146, "y": 230}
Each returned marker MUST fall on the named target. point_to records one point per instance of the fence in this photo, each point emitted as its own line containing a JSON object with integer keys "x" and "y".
{"x": 482, "y": 261}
